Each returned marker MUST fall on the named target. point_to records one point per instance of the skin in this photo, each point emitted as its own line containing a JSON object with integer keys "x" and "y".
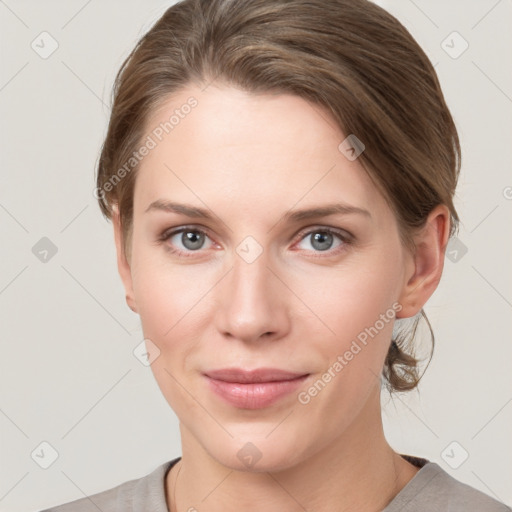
{"x": 250, "y": 159}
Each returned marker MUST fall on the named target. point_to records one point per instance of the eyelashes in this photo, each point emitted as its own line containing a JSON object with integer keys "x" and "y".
{"x": 193, "y": 238}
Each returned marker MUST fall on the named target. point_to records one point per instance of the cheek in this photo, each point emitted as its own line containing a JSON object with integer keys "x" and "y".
{"x": 169, "y": 301}
{"x": 358, "y": 304}
{"x": 349, "y": 299}
{"x": 164, "y": 293}
{"x": 175, "y": 308}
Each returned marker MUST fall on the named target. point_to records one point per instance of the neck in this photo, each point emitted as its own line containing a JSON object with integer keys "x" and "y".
{"x": 357, "y": 471}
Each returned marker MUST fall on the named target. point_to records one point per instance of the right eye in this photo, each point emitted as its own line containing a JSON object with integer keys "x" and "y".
{"x": 185, "y": 240}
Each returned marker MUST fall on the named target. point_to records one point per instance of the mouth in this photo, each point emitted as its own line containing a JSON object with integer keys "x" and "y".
{"x": 253, "y": 389}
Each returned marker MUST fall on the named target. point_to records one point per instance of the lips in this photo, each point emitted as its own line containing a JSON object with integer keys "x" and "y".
{"x": 253, "y": 389}
{"x": 236, "y": 375}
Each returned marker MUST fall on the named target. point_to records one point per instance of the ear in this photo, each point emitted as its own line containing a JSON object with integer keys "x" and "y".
{"x": 123, "y": 265}
{"x": 425, "y": 267}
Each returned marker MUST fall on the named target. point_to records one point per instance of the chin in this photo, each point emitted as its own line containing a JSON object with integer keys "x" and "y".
{"x": 257, "y": 454}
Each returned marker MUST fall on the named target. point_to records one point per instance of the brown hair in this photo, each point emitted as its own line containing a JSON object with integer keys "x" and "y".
{"x": 349, "y": 56}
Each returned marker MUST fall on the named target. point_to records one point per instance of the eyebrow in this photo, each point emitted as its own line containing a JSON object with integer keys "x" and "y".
{"x": 291, "y": 215}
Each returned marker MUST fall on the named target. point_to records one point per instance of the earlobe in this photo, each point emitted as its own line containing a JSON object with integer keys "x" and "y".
{"x": 425, "y": 266}
{"x": 123, "y": 265}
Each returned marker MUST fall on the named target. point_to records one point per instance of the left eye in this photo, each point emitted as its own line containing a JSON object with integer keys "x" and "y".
{"x": 323, "y": 240}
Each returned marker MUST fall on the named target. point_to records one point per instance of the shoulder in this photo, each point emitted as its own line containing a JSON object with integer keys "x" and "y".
{"x": 145, "y": 493}
{"x": 433, "y": 489}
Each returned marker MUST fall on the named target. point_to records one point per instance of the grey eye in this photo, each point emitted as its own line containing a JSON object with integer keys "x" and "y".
{"x": 192, "y": 240}
{"x": 321, "y": 241}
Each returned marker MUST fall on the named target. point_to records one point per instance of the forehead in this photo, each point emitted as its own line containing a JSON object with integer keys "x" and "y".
{"x": 248, "y": 149}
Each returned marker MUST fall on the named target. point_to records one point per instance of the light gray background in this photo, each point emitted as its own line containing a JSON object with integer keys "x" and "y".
{"x": 68, "y": 374}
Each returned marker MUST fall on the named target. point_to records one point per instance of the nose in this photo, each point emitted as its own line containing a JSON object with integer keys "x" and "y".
{"x": 252, "y": 302}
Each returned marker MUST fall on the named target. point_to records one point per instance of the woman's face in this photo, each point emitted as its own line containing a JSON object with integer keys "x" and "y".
{"x": 243, "y": 281}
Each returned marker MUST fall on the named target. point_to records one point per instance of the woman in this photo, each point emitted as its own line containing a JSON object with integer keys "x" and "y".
{"x": 280, "y": 176}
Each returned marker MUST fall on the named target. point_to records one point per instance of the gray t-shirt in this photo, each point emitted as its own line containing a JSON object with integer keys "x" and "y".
{"x": 430, "y": 490}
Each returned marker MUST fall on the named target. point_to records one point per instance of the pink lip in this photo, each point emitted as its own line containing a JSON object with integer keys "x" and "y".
{"x": 253, "y": 389}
